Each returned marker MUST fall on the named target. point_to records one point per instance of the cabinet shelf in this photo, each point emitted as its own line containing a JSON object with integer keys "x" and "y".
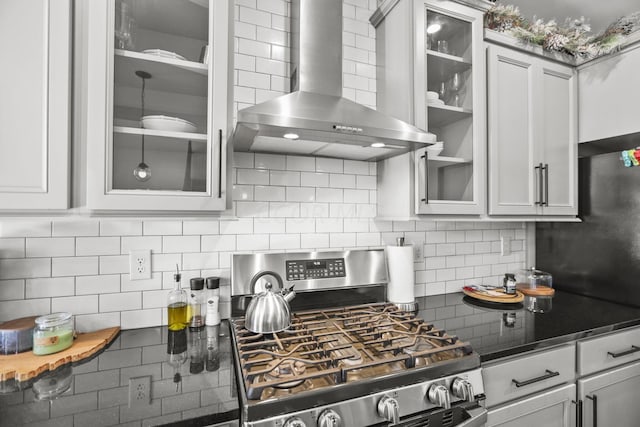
{"x": 443, "y": 161}
{"x": 167, "y": 74}
{"x": 161, "y": 133}
{"x": 442, "y": 115}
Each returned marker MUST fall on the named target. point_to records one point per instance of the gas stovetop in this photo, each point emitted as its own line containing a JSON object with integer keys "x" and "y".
{"x": 355, "y": 365}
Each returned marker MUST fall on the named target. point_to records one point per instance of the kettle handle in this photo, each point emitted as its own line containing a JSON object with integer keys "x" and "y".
{"x": 255, "y": 278}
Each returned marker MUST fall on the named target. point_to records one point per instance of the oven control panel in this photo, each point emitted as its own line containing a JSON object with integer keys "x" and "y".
{"x": 308, "y": 269}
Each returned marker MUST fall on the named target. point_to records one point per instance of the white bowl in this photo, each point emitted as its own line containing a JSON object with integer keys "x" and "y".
{"x": 435, "y": 149}
{"x": 432, "y": 95}
{"x": 172, "y": 124}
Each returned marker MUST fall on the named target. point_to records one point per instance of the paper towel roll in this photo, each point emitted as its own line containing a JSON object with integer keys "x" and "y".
{"x": 401, "y": 276}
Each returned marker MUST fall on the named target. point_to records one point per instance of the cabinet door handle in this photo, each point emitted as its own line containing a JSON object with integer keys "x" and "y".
{"x": 539, "y": 183}
{"x": 633, "y": 349}
{"x": 578, "y": 412}
{"x": 426, "y": 178}
{"x": 545, "y": 168}
{"x": 549, "y": 374}
{"x": 594, "y": 398}
{"x": 220, "y": 164}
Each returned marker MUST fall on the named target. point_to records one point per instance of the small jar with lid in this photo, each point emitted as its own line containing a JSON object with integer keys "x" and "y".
{"x": 196, "y": 303}
{"x": 212, "y": 301}
{"x": 53, "y": 333}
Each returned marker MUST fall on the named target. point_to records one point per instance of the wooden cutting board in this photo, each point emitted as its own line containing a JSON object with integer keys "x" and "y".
{"x": 538, "y": 291}
{"x": 494, "y": 295}
{"x": 24, "y": 366}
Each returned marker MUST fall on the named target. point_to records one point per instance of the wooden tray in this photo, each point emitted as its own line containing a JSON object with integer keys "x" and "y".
{"x": 491, "y": 297}
{"x": 538, "y": 291}
{"x": 24, "y": 366}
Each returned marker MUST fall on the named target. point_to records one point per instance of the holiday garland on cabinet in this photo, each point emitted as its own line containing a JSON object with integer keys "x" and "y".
{"x": 574, "y": 38}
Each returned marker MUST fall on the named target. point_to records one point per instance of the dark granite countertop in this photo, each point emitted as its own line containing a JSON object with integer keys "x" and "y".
{"x": 203, "y": 393}
{"x": 498, "y": 330}
{"x": 188, "y": 388}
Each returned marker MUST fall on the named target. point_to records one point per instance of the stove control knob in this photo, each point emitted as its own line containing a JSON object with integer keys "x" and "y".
{"x": 329, "y": 418}
{"x": 462, "y": 389}
{"x": 439, "y": 396}
{"x": 294, "y": 422}
{"x": 389, "y": 409}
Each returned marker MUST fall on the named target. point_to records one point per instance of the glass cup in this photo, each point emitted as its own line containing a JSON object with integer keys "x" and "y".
{"x": 443, "y": 46}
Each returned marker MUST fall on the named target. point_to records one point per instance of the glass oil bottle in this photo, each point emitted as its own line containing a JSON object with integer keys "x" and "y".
{"x": 177, "y": 305}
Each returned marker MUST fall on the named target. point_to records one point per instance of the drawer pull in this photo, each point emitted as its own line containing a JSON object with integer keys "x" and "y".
{"x": 549, "y": 374}
{"x": 594, "y": 398}
{"x": 624, "y": 353}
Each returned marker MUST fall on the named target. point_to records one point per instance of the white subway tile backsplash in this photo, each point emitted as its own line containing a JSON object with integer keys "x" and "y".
{"x": 314, "y": 210}
{"x": 87, "y": 246}
{"x": 242, "y": 160}
{"x": 273, "y": 37}
{"x": 253, "y": 176}
{"x": 356, "y": 225}
{"x": 87, "y": 304}
{"x": 281, "y": 53}
{"x": 330, "y": 195}
{"x": 314, "y": 179}
{"x": 342, "y": 181}
{"x": 12, "y": 289}
{"x": 152, "y": 243}
{"x": 128, "y": 285}
{"x": 200, "y": 261}
{"x": 300, "y": 225}
{"x": 49, "y": 287}
{"x": 120, "y": 228}
{"x": 254, "y": 80}
{"x": 279, "y": 7}
{"x": 240, "y": 226}
{"x": 269, "y": 161}
{"x": 200, "y": 227}
{"x": 284, "y": 241}
{"x": 299, "y": 163}
{"x": 10, "y": 228}
{"x": 104, "y": 284}
{"x": 366, "y": 210}
{"x": 219, "y": 243}
{"x": 284, "y": 209}
{"x": 120, "y": 301}
{"x": 50, "y": 247}
{"x": 356, "y": 196}
{"x": 287, "y": 178}
{"x": 342, "y": 240}
{"x": 255, "y": 242}
{"x": 254, "y": 16}
{"x": 366, "y": 182}
{"x": 343, "y": 210}
{"x": 300, "y": 194}
{"x": 75, "y": 228}
{"x": 115, "y": 264}
{"x": 314, "y": 240}
{"x": 367, "y": 239}
{"x": 33, "y": 307}
{"x": 324, "y": 164}
{"x": 269, "y": 193}
{"x": 162, "y": 228}
{"x": 12, "y": 248}
{"x": 165, "y": 262}
{"x": 154, "y": 299}
{"x": 93, "y": 322}
{"x": 140, "y": 318}
{"x": 74, "y": 266}
{"x": 25, "y": 268}
{"x": 329, "y": 225}
{"x": 252, "y": 209}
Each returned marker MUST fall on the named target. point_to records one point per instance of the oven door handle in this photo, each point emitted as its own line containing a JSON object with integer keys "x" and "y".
{"x": 478, "y": 418}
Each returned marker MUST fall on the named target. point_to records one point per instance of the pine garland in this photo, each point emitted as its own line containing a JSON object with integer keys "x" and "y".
{"x": 573, "y": 38}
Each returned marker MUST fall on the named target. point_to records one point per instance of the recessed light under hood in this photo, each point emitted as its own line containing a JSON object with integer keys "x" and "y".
{"x": 326, "y": 124}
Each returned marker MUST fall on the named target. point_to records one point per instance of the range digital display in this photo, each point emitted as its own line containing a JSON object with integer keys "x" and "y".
{"x": 307, "y": 269}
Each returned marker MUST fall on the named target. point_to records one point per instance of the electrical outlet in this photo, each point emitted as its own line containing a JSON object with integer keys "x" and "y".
{"x": 417, "y": 252}
{"x": 505, "y": 246}
{"x": 140, "y": 264}
{"x": 139, "y": 391}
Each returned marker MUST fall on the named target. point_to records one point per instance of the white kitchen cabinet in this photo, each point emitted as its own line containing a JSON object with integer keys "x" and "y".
{"x": 412, "y": 61}
{"x": 532, "y": 125}
{"x": 550, "y": 408}
{"x": 167, "y": 39}
{"x": 609, "y": 89}
{"x": 35, "y": 104}
{"x": 609, "y": 383}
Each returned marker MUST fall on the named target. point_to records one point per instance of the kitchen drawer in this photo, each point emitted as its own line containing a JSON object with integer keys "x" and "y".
{"x": 607, "y": 351}
{"x": 517, "y": 377}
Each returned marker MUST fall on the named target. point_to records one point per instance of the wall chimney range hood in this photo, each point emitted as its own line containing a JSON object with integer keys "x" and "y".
{"x": 314, "y": 119}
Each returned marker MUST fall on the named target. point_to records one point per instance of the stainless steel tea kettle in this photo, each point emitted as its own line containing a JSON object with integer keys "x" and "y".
{"x": 269, "y": 311}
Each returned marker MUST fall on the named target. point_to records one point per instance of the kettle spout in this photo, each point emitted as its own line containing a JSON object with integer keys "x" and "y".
{"x": 289, "y": 294}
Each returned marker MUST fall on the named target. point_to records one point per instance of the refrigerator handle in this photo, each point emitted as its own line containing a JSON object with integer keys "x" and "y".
{"x": 545, "y": 168}
{"x": 538, "y": 172}
{"x": 426, "y": 178}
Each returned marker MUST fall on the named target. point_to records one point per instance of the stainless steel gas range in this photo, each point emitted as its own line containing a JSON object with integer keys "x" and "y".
{"x": 348, "y": 358}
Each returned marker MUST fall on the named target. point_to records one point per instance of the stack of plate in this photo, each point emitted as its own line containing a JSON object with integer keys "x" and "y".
{"x": 172, "y": 124}
{"x": 433, "y": 99}
{"x": 164, "y": 54}
{"x": 435, "y": 149}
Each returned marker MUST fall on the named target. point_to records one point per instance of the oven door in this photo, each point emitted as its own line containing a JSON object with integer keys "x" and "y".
{"x": 459, "y": 416}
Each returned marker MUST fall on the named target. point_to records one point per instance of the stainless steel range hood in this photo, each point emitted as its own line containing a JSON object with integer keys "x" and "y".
{"x": 315, "y": 114}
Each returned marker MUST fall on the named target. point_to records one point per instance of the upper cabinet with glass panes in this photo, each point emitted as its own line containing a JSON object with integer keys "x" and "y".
{"x": 439, "y": 44}
{"x": 167, "y": 67}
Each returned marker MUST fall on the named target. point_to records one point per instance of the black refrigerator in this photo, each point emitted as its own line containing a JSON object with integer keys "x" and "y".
{"x": 600, "y": 256}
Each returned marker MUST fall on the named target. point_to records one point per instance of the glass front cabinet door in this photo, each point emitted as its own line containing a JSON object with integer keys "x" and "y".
{"x": 451, "y": 90}
{"x": 440, "y": 88}
{"x": 158, "y": 104}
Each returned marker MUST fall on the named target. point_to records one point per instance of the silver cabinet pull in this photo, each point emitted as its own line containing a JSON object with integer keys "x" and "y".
{"x": 546, "y": 376}
{"x": 538, "y": 169}
{"x": 594, "y": 398}
{"x": 426, "y": 178}
{"x": 633, "y": 349}
{"x": 545, "y": 201}
{"x": 220, "y": 165}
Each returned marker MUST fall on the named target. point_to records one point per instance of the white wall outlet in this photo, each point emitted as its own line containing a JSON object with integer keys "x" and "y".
{"x": 417, "y": 252}
{"x": 139, "y": 391}
{"x": 140, "y": 264}
{"x": 505, "y": 246}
